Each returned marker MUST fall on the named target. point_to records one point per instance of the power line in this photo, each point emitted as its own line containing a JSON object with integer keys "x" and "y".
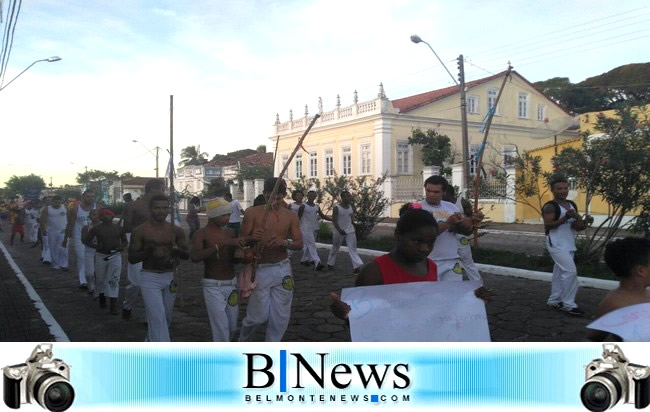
{"x": 8, "y": 41}
{"x": 489, "y": 51}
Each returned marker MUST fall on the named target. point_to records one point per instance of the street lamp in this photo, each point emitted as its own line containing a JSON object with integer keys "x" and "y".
{"x": 49, "y": 60}
{"x": 150, "y": 151}
{"x": 463, "y": 109}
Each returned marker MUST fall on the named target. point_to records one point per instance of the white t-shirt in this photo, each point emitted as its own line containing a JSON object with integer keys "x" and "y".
{"x": 446, "y": 245}
{"x": 31, "y": 216}
{"x": 345, "y": 219}
{"x": 57, "y": 219}
{"x": 562, "y": 237}
{"x": 309, "y": 220}
{"x": 235, "y": 216}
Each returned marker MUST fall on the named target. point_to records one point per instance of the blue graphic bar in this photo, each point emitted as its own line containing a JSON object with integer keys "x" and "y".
{"x": 283, "y": 371}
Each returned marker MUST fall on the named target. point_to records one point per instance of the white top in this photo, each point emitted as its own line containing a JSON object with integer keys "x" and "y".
{"x": 57, "y": 219}
{"x": 31, "y": 216}
{"x": 82, "y": 220}
{"x": 345, "y": 219}
{"x": 235, "y": 216}
{"x": 446, "y": 245}
{"x": 562, "y": 237}
{"x": 294, "y": 207}
{"x": 309, "y": 220}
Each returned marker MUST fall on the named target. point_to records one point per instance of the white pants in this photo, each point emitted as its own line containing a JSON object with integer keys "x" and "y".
{"x": 108, "y": 273}
{"x": 222, "y": 302}
{"x": 32, "y": 232}
{"x": 309, "y": 251}
{"x": 270, "y": 302}
{"x": 45, "y": 254}
{"x": 58, "y": 253}
{"x": 351, "y": 242}
{"x": 564, "y": 284}
{"x": 159, "y": 293}
{"x": 79, "y": 251}
{"x": 449, "y": 270}
{"x": 89, "y": 265}
{"x": 465, "y": 254}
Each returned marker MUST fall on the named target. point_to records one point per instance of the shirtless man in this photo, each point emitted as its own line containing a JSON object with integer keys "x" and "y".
{"x": 158, "y": 245}
{"x": 136, "y": 213}
{"x": 629, "y": 259}
{"x": 108, "y": 259}
{"x": 214, "y": 245}
{"x": 271, "y": 299}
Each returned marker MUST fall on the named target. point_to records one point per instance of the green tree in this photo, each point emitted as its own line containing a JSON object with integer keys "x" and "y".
{"x": 216, "y": 188}
{"x": 368, "y": 197}
{"x": 192, "y": 155}
{"x": 528, "y": 186}
{"x": 21, "y": 185}
{"x": 306, "y": 184}
{"x": 261, "y": 148}
{"x": 250, "y": 172}
{"x": 436, "y": 148}
{"x": 615, "y": 167}
{"x": 126, "y": 175}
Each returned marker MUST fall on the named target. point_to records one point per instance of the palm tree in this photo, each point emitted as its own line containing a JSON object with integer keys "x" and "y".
{"x": 191, "y": 155}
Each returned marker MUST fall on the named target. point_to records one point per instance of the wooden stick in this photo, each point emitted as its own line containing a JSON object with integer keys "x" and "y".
{"x": 479, "y": 164}
{"x": 274, "y": 192}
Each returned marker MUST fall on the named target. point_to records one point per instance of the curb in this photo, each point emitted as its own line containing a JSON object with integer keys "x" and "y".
{"x": 505, "y": 271}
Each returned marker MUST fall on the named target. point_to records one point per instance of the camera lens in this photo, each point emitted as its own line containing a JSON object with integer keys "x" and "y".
{"x": 59, "y": 396}
{"x": 601, "y": 392}
{"x": 595, "y": 396}
{"x": 53, "y": 392}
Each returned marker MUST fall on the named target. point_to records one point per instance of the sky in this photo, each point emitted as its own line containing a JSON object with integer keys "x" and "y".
{"x": 232, "y": 65}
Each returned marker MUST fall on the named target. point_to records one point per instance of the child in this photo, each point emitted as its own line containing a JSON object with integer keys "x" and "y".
{"x": 629, "y": 259}
{"x": 215, "y": 244}
{"x": 308, "y": 214}
{"x": 415, "y": 234}
{"x": 342, "y": 218}
{"x": 108, "y": 259}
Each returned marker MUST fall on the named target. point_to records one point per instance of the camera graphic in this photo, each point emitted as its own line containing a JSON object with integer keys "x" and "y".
{"x": 612, "y": 378}
{"x": 40, "y": 379}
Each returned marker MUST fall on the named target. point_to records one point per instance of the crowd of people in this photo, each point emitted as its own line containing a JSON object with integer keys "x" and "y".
{"x": 431, "y": 244}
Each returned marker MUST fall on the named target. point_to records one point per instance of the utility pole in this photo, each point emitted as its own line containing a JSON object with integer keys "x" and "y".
{"x": 157, "y": 148}
{"x": 463, "y": 117}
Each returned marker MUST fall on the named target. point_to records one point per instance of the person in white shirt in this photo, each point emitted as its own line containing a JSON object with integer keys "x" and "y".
{"x": 309, "y": 214}
{"x": 237, "y": 212}
{"x": 31, "y": 222}
{"x": 54, "y": 220}
{"x": 450, "y": 221}
{"x": 561, "y": 221}
{"x": 342, "y": 218}
{"x": 77, "y": 219}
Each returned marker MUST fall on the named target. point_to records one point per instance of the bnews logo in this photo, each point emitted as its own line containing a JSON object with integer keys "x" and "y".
{"x": 263, "y": 372}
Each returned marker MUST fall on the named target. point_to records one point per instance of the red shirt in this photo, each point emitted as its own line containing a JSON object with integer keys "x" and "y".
{"x": 392, "y": 273}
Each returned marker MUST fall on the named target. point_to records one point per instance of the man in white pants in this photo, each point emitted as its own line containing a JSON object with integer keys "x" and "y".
{"x": 77, "y": 219}
{"x": 53, "y": 223}
{"x": 561, "y": 221}
{"x": 108, "y": 258}
{"x": 215, "y": 244}
{"x": 136, "y": 213}
{"x": 464, "y": 248}
{"x": 342, "y": 218}
{"x": 271, "y": 300}
{"x": 308, "y": 213}
{"x": 450, "y": 221}
{"x": 158, "y": 245}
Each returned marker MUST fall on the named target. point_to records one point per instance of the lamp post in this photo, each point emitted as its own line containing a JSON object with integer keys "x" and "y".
{"x": 49, "y": 60}
{"x": 150, "y": 151}
{"x": 463, "y": 109}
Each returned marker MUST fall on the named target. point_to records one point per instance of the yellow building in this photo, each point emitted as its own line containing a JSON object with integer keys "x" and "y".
{"x": 371, "y": 138}
{"x": 598, "y": 208}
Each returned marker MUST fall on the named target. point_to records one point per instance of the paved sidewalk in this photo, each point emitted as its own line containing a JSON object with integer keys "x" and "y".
{"x": 517, "y": 312}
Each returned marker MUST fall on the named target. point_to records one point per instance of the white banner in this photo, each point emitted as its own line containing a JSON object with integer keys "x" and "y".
{"x": 417, "y": 312}
{"x": 631, "y": 323}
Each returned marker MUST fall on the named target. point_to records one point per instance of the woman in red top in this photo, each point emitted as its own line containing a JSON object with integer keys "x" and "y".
{"x": 415, "y": 235}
